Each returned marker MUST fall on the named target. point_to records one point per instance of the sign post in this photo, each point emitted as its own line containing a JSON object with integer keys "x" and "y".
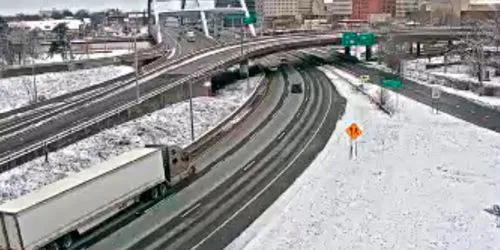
{"x": 247, "y": 20}
{"x": 393, "y": 84}
{"x": 436, "y": 95}
{"x": 353, "y": 131}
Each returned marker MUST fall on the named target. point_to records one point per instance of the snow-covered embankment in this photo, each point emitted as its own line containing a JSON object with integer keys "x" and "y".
{"x": 166, "y": 126}
{"x": 420, "y": 181}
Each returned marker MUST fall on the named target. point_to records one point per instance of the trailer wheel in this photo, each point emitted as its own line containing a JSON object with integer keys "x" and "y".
{"x": 67, "y": 241}
{"x": 163, "y": 190}
{"x": 53, "y": 246}
{"x": 154, "y": 193}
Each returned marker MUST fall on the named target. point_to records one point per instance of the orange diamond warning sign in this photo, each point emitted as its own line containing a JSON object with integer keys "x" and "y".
{"x": 354, "y": 131}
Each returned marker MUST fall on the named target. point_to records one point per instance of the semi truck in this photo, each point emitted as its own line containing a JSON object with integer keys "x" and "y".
{"x": 56, "y": 215}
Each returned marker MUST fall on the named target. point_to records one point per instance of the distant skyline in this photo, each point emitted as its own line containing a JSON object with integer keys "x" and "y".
{"x": 10, "y": 7}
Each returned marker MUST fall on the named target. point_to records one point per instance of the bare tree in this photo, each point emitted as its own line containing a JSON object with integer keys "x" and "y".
{"x": 480, "y": 35}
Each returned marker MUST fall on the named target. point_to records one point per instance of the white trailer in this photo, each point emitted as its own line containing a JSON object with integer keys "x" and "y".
{"x": 57, "y": 213}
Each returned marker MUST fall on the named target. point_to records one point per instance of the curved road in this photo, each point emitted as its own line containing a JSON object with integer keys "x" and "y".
{"x": 263, "y": 168}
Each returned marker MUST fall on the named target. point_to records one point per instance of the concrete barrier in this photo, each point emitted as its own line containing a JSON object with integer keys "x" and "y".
{"x": 223, "y": 127}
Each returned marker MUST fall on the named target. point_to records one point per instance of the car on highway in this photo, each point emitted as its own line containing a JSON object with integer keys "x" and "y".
{"x": 296, "y": 88}
{"x": 190, "y": 37}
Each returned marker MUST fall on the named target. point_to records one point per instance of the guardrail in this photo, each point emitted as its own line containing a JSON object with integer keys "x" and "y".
{"x": 210, "y": 70}
{"x": 222, "y": 127}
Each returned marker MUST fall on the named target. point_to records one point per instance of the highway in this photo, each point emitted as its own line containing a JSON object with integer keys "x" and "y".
{"x": 454, "y": 105}
{"x": 244, "y": 183}
{"x": 206, "y": 64}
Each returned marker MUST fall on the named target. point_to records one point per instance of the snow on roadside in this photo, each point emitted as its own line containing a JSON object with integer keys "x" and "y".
{"x": 420, "y": 181}
{"x": 166, "y": 126}
{"x": 424, "y": 78}
{"x": 14, "y": 91}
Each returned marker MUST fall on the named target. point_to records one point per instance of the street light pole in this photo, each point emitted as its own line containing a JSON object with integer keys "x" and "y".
{"x": 136, "y": 59}
{"x": 191, "y": 116}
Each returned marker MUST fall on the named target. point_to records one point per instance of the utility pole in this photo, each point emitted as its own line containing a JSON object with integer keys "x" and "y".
{"x": 136, "y": 59}
{"x": 33, "y": 73}
{"x": 191, "y": 117}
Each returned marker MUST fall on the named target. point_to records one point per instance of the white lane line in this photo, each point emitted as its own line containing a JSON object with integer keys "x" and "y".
{"x": 272, "y": 181}
{"x": 190, "y": 210}
{"x": 249, "y": 165}
{"x": 281, "y": 135}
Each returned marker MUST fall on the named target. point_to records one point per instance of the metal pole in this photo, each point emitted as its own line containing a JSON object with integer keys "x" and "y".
{"x": 191, "y": 117}
{"x": 137, "y": 91}
{"x": 248, "y": 67}
{"x": 35, "y": 92}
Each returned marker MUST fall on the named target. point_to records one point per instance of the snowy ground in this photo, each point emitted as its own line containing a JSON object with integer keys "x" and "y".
{"x": 15, "y": 91}
{"x": 57, "y": 57}
{"x": 167, "y": 126}
{"x": 420, "y": 181}
{"x": 414, "y": 73}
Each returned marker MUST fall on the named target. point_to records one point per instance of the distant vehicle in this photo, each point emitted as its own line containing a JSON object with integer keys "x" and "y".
{"x": 55, "y": 216}
{"x": 274, "y": 68}
{"x": 296, "y": 88}
{"x": 190, "y": 37}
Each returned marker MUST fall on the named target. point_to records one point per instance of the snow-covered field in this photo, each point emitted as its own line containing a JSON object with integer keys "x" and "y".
{"x": 15, "y": 91}
{"x": 420, "y": 181}
{"x": 166, "y": 126}
{"x": 58, "y": 58}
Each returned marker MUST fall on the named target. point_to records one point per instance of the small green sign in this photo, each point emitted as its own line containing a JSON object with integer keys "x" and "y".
{"x": 250, "y": 19}
{"x": 349, "y": 39}
{"x": 367, "y": 39}
{"x": 391, "y": 84}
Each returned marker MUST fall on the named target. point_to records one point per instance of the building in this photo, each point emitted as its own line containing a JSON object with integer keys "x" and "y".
{"x": 405, "y": 7}
{"x": 278, "y": 13}
{"x": 362, "y": 9}
{"x": 339, "y": 9}
{"x": 45, "y": 27}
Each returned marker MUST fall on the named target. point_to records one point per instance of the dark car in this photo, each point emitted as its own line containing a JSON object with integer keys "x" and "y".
{"x": 296, "y": 88}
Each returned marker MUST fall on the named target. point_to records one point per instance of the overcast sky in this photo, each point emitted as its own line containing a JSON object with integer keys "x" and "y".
{"x": 8, "y": 7}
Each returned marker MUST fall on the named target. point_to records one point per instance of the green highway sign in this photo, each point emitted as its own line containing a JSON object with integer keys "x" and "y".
{"x": 250, "y": 19}
{"x": 391, "y": 84}
{"x": 349, "y": 39}
{"x": 366, "y": 39}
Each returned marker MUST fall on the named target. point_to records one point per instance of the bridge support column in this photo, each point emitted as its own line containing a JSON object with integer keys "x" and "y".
{"x": 347, "y": 51}
{"x": 204, "y": 22}
{"x": 157, "y": 22}
{"x": 368, "y": 53}
{"x": 244, "y": 69}
{"x": 419, "y": 49}
{"x": 411, "y": 48}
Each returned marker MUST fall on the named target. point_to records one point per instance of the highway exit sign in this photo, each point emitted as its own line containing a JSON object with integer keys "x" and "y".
{"x": 366, "y": 39}
{"x": 349, "y": 39}
{"x": 250, "y": 19}
{"x": 391, "y": 84}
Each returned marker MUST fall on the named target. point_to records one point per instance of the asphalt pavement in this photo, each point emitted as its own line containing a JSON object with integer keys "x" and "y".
{"x": 216, "y": 164}
{"x": 237, "y": 206}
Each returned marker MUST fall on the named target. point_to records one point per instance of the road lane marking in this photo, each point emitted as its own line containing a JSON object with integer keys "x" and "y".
{"x": 190, "y": 210}
{"x": 249, "y": 165}
{"x": 272, "y": 181}
{"x": 281, "y": 135}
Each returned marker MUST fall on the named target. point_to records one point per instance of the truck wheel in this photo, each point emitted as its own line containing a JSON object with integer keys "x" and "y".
{"x": 163, "y": 190}
{"x": 154, "y": 193}
{"x": 67, "y": 241}
{"x": 53, "y": 246}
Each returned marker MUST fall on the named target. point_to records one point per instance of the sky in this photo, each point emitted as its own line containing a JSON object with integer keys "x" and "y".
{"x": 9, "y": 7}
